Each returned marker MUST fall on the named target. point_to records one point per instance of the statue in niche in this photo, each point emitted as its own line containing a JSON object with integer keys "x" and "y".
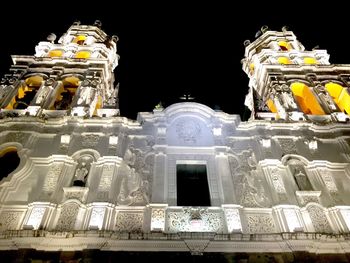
{"x": 288, "y": 101}
{"x": 86, "y": 96}
{"x": 302, "y": 180}
{"x": 80, "y": 175}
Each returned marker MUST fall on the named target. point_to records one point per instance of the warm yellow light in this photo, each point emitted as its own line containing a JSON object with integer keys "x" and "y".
{"x": 55, "y": 53}
{"x": 251, "y": 68}
{"x": 34, "y": 81}
{"x": 340, "y": 96}
{"x": 271, "y": 105}
{"x": 71, "y": 81}
{"x": 310, "y": 60}
{"x": 83, "y": 54}
{"x": 7, "y": 150}
{"x": 284, "y": 60}
{"x": 285, "y": 46}
{"x": 306, "y": 99}
{"x": 79, "y": 39}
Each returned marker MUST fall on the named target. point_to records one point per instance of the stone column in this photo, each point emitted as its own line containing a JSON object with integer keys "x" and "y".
{"x": 224, "y": 174}
{"x": 159, "y": 186}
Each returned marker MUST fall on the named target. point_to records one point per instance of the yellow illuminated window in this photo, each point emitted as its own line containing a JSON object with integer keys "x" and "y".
{"x": 80, "y": 40}
{"x": 284, "y": 46}
{"x": 55, "y": 53}
{"x": 83, "y": 54}
{"x": 310, "y": 60}
{"x": 340, "y": 96}
{"x": 284, "y": 60}
{"x": 306, "y": 99}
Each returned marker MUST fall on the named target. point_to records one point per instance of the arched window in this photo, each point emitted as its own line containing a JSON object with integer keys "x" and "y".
{"x": 340, "y": 96}
{"x": 284, "y": 60}
{"x": 66, "y": 93}
{"x": 26, "y": 93}
{"x": 284, "y": 46}
{"x": 83, "y": 54}
{"x": 56, "y": 53}
{"x": 306, "y": 99}
{"x": 9, "y": 161}
{"x": 80, "y": 40}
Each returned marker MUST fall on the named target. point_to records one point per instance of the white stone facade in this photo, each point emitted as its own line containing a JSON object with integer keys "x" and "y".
{"x": 110, "y": 182}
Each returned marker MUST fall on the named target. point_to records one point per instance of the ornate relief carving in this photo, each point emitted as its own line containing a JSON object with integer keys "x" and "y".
{"x": 287, "y": 145}
{"x": 36, "y": 217}
{"x": 249, "y": 187}
{"x": 328, "y": 180}
{"x": 106, "y": 178}
{"x": 129, "y": 222}
{"x": 306, "y": 197}
{"x": 188, "y": 131}
{"x": 277, "y": 181}
{"x": 90, "y": 140}
{"x": 192, "y": 220}
{"x": 319, "y": 219}
{"x": 68, "y": 216}
{"x": 259, "y": 223}
{"x": 158, "y": 219}
{"x": 97, "y": 216}
{"x": 233, "y": 219}
{"x": 9, "y": 220}
{"x": 51, "y": 178}
{"x": 16, "y": 137}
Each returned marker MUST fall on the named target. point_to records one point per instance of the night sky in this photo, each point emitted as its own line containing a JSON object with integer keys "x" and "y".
{"x": 168, "y": 51}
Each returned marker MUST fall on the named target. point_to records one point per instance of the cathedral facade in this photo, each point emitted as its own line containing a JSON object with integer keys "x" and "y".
{"x": 77, "y": 176}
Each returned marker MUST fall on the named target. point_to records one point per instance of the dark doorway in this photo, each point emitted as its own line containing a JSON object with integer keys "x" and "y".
{"x": 192, "y": 185}
{"x": 8, "y": 163}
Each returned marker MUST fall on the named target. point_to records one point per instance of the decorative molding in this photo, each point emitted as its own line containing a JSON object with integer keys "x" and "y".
{"x": 260, "y": 223}
{"x": 129, "y": 222}
{"x": 68, "y": 217}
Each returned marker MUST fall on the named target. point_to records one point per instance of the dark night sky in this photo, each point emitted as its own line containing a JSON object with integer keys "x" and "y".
{"x": 167, "y": 51}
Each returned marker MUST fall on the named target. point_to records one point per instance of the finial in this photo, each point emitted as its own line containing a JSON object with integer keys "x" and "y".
{"x": 246, "y": 42}
{"x": 285, "y": 28}
{"x": 98, "y": 23}
{"x": 51, "y": 37}
{"x": 264, "y": 28}
{"x": 258, "y": 34}
{"x": 76, "y": 23}
{"x": 186, "y": 97}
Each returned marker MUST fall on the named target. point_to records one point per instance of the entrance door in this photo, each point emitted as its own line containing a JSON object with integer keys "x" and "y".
{"x": 192, "y": 185}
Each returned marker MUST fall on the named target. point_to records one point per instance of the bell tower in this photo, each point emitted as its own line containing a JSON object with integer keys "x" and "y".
{"x": 290, "y": 83}
{"x": 73, "y": 77}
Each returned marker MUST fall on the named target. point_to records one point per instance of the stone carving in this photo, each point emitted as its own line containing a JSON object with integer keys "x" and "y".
{"x": 319, "y": 219}
{"x": 325, "y": 97}
{"x": 188, "y": 131}
{"x": 233, "y": 220}
{"x": 137, "y": 181}
{"x": 133, "y": 190}
{"x": 44, "y": 91}
{"x": 195, "y": 220}
{"x": 259, "y": 223}
{"x": 9, "y": 220}
{"x": 4, "y": 91}
{"x": 97, "y": 216}
{"x": 90, "y": 140}
{"x": 81, "y": 174}
{"x": 68, "y": 217}
{"x": 129, "y": 222}
{"x": 288, "y": 101}
{"x": 302, "y": 180}
{"x": 328, "y": 180}
{"x": 248, "y": 183}
{"x": 157, "y": 219}
{"x": 87, "y": 95}
{"x": 51, "y": 178}
{"x": 288, "y": 145}
{"x": 307, "y": 197}
{"x": 16, "y": 137}
{"x": 36, "y": 217}
{"x": 277, "y": 181}
{"x": 106, "y": 178}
